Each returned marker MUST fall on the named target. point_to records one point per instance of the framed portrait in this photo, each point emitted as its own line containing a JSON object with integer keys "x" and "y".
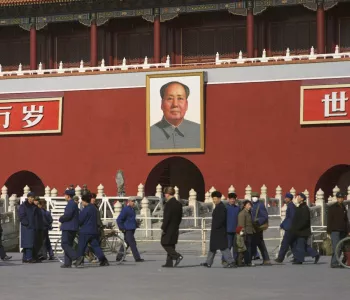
{"x": 175, "y": 113}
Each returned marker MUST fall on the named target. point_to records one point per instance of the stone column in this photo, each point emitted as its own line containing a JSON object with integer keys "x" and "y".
{"x": 4, "y": 197}
{"x": 248, "y": 193}
{"x": 117, "y": 209}
{"x": 33, "y": 63}
{"x": 54, "y": 192}
{"x": 47, "y": 192}
{"x": 156, "y": 36}
{"x": 140, "y": 191}
{"x": 192, "y": 201}
{"x": 146, "y": 215}
{"x": 250, "y": 29}
{"x": 320, "y": 202}
{"x": 320, "y": 20}
{"x": 100, "y": 191}
{"x": 93, "y": 43}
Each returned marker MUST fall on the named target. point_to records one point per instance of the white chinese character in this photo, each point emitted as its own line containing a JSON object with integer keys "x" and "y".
{"x": 336, "y": 111}
{"x": 32, "y": 113}
{"x": 7, "y": 116}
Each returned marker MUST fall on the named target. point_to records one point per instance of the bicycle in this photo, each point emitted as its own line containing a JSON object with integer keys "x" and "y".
{"x": 111, "y": 244}
{"x": 342, "y": 252}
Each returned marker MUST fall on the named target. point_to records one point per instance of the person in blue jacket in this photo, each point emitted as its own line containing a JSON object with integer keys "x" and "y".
{"x": 47, "y": 218}
{"x": 232, "y": 219}
{"x": 69, "y": 226}
{"x": 259, "y": 217}
{"x": 89, "y": 232}
{"x": 27, "y": 215}
{"x": 127, "y": 224}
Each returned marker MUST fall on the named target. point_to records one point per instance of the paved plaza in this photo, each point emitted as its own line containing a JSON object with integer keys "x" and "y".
{"x": 189, "y": 281}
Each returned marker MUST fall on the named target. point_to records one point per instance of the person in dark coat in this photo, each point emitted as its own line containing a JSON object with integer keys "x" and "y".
{"x": 218, "y": 234}
{"x": 337, "y": 225}
{"x": 39, "y": 232}
{"x": 69, "y": 226}
{"x": 3, "y": 254}
{"x": 172, "y": 216}
{"x": 232, "y": 218}
{"x": 27, "y": 215}
{"x": 127, "y": 224}
{"x": 89, "y": 232}
{"x": 47, "y": 219}
{"x": 301, "y": 230}
{"x": 259, "y": 217}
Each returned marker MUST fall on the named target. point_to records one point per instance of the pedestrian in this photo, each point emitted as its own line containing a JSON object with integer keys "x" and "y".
{"x": 76, "y": 199}
{"x": 301, "y": 230}
{"x": 89, "y": 232}
{"x": 99, "y": 219}
{"x": 39, "y": 231}
{"x": 218, "y": 234}
{"x": 245, "y": 222}
{"x": 47, "y": 220}
{"x": 286, "y": 226}
{"x": 260, "y": 220}
{"x": 172, "y": 216}
{"x": 337, "y": 225}
{"x": 232, "y": 218}
{"x": 69, "y": 226}
{"x": 127, "y": 224}
{"x": 3, "y": 254}
{"x": 27, "y": 215}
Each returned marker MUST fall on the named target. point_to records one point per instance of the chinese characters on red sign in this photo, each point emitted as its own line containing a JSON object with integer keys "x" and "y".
{"x": 30, "y": 116}
{"x": 324, "y": 104}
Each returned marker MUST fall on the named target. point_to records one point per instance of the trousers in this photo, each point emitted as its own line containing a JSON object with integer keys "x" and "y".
{"x": 46, "y": 245}
{"x": 171, "y": 253}
{"x": 94, "y": 241}
{"x": 67, "y": 242}
{"x": 2, "y": 250}
{"x": 258, "y": 241}
{"x": 336, "y": 236}
{"x": 27, "y": 253}
{"x": 231, "y": 239}
{"x": 129, "y": 237}
{"x": 248, "y": 240}
{"x": 226, "y": 254}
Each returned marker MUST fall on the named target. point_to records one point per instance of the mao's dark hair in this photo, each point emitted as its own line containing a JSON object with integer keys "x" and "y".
{"x": 165, "y": 86}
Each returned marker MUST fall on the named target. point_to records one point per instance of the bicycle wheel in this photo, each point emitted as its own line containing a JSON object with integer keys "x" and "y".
{"x": 113, "y": 244}
{"x": 342, "y": 252}
{"x": 58, "y": 251}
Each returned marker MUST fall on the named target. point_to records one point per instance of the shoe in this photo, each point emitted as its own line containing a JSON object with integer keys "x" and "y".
{"x": 65, "y": 266}
{"x": 178, "y": 260}
{"x": 29, "y": 261}
{"x": 233, "y": 265}
{"x": 6, "y": 258}
{"x": 256, "y": 258}
{"x": 251, "y": 265}
{"x": 279, "y": 261}
{"x": 295, "y": 262}
{"x": 266, "y": 263}
{"x": 205, "y": 265}
{"x": 104, "y": 263}
{"x": 224, "y": 263}
{"x": 317, "y": 258}
{"x": 79, "y": 261}
{"x": 52, "y": 258}
{"x": 167, "y": 266}
{"x": 336, "y": 267}
{"x": 139, "y": 260}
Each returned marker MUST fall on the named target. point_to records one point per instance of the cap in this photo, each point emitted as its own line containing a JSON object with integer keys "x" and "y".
{"x": 302, "y": 196}
{"x": 255, "y": 194}
{"x": 86, "y": 198}
{"x": 289, "y": 195}
{"x": 69, "y": 192}
{"x": 339, "y": 195}
{"x": 30, "y": 194}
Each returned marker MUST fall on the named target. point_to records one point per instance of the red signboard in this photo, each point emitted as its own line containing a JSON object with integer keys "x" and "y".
{"x": 325, "y": 104}
{"x": 30, "y": 116}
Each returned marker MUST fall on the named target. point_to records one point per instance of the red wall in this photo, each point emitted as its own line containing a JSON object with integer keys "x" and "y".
{"x": 253, "y": 136}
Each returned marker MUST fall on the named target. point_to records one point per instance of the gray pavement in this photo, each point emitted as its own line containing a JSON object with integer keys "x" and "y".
{"x": 189, "y": 281}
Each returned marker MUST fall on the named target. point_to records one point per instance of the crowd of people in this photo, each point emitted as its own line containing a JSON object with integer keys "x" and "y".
{"x": 236, "y": 230}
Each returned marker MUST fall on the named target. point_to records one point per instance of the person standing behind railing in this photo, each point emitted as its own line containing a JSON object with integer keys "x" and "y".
{"x": 232, "y": 219}
{"x": 337, "y": 225}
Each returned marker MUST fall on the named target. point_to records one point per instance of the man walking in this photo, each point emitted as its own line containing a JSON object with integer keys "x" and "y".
{"x": 337, "y": 225}
{"x": 69, "y": 227}
{"x": 232, "y": 219}
{"x": 172, "y": 216}
{"x": 218, "y": 234}
{"x": 127, "y": 224}
{"x": 3, "y": 254}
{"x": 301, "y": 230}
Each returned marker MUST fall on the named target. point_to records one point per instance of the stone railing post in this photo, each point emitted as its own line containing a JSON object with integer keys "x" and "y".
{"x": 348, "y": 196}
{"x": 78, "y": 191}
{"x": 263, "y": 193}
{"x": 140, "y": 191}
{"x": 335, "y": 191}
{"x": 212, "y": 189}
{"x": 294, "y": 192}
{"x": 47, "y": 192}
{"x": 146, "y": 217}
{"x": 26, "y": 190}
{"x": 117, "y": 209}
{"x": 248, "y": 193}
{"x": 307, "y": 195}
{"x": 192, "y": 201}
{"x": 279, "y": 194}
{"x": 177, "y": 195}
{"x": 320, "y": 202}
{"x": 231, "y": 189}
{"x": 5, "y": 198}
{"x": 223, "y": 197}
{"x": 100, "y": 191}
{"x": 13, "y": 203}
{"x": 207, "y": 197}
{"x": 54, "y": 193}
{"x": 158, "y": 191}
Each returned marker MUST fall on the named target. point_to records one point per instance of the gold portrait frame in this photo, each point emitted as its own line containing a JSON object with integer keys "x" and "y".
{"x": 46, "y": 99}
{"x": 148, "y": 113}
{"x": 315, "y": 87}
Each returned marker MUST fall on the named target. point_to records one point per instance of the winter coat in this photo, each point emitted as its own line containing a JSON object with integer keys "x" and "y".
{"x": 287, "y": 222}
{"x": 47, "y": 219}
{"x": 127, "y": 219}
{"x": 70, "y": 219}
{"x": 263, "y": 216}
{"x": 28, "y": 214}
{"x": 301, "y": 224}
{"x": 218, "y": 234}
{"x": 172, "y": 217}
{"x": 337, "y": 218}
{"x": 245, "y": 221}
{"x": 232, "y": 217}
{"x": 88, "y": 220}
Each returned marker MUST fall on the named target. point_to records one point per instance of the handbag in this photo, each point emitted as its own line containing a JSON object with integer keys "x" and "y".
{"x": 261, "y": 227}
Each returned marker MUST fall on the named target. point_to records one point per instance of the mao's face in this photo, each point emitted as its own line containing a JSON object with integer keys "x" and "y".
{"x": 174, "y": 104}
